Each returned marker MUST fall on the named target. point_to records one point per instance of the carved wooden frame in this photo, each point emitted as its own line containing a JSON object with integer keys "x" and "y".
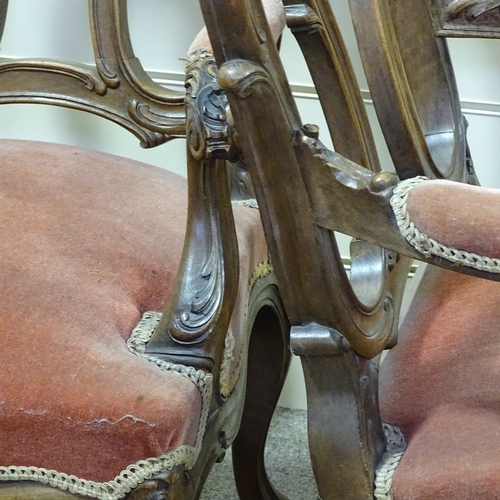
{"x": 306, "y": 192}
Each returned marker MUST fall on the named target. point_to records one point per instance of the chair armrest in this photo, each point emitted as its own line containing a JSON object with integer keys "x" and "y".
{"x": 450, "y": 220}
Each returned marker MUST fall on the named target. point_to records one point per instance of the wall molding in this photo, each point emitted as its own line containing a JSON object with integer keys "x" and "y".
{"x": 307, "y": 91}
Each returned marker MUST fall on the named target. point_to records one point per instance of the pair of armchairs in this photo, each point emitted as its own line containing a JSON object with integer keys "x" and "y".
{"x": 105, "y": 397}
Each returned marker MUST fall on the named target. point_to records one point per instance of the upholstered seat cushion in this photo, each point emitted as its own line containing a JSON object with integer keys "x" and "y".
{"x": 441, "y": 385}
{"x": 89, "y": 242}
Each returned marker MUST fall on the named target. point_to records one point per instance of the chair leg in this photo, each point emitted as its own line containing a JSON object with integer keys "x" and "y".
{"x": 268, "y": 362}
{"x": 346, "y": 438}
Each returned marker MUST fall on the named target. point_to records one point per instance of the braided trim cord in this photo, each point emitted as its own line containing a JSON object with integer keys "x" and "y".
{"x": 227, "y": 380}
{"x": 396, "y": 446}
{"x": 138, "y": 472}
{"x": 261, "y": 271}
{"x": 427, "y": 245}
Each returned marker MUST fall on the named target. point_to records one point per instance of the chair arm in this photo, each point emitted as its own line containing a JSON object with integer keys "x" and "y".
{"x": 450, "y": 220}
{"x": 195, "y": 322}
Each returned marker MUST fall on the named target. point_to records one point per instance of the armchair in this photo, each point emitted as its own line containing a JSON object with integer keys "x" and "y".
{"x": 103, "y": 394}
{"x": 439, "y": 384}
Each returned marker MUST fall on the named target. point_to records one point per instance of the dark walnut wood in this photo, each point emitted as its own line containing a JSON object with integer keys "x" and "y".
{"x": 243, "y": 128}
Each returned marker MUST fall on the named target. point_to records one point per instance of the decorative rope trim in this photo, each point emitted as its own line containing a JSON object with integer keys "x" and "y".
{"x": 427, "y": 245}
{"x": 396, "y": 446}
{"x": 226, "y": 380}
{"x": 250, "y": 203}
{"x": 261, "y": 271}
{"x": 138, "y": 472}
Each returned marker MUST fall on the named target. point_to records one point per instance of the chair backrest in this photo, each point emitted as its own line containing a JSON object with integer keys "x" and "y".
{"x": 117, "y": 88}
{"x": 411, "y": 79}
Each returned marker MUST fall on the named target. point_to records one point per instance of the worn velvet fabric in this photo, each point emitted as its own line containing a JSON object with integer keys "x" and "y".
{"x": 441, "y": 385}
{"x": 457, "y": 215}
{"x": 88, "y": 243}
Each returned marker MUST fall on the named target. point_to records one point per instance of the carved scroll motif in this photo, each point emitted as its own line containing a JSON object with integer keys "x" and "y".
{"x": 84, "y": 74}
{"x": 301, "y": 17}
{"x": 209, "y": 132}
{"x": 471, "y": 18}
{"x": 472, "y": 9}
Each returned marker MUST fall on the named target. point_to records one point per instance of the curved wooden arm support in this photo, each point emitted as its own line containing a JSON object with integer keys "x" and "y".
{"x": 340, "y": 189}
{"x": 196, "y": 319}
{"x": 272, "y": 157}
{"x": 346, "y": 439}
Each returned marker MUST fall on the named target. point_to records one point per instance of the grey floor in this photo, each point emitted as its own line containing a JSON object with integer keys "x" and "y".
{"x": 287, "y": 462}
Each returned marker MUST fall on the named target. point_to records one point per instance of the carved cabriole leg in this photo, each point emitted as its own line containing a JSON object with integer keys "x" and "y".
{"x": 268, "y": 363}
{"x": 345, "y": 433}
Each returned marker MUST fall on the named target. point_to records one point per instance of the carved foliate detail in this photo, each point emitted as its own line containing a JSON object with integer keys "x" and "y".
{"x": 209, "y": 269}
{"x": 210, "y": 261}
{"x": 301, "y": 17}
{"x": 472, "y": 9}
{"x": 207, "y": 288}
{"x": 84, "y": 74}
{"x": 470, "y": 18}
{"x": 209, "y": 131}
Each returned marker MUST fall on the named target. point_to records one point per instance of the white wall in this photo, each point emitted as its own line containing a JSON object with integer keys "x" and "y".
{"x": 161, "y": 32}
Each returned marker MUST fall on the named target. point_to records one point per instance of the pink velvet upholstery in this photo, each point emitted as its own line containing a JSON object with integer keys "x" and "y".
{"x": 441, "y": 385}
{"x": 88, "y": 243}
{"x": 458, "y": 215}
